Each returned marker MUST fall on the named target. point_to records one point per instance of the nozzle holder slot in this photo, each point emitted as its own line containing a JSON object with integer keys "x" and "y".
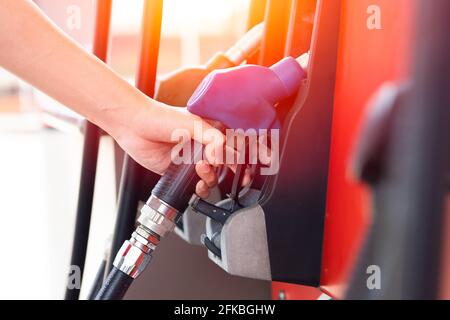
{"x": 239, "y": 245}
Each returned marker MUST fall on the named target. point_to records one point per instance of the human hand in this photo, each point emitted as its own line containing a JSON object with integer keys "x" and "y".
{"x": 145, "y": 133}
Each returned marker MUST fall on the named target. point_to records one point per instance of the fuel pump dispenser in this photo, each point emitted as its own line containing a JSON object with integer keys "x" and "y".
{"x": 171, "y": 196}
{"x": 288, "y": 227}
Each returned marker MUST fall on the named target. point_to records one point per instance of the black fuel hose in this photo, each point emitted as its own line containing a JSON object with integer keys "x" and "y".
{"x": 98, "y": 281}
{"x": 115, "y": 286}
{"x": 175, "y": 188}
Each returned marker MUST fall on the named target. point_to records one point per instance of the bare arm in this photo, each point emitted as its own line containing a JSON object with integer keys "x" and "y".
{"x": 34, "y": 49}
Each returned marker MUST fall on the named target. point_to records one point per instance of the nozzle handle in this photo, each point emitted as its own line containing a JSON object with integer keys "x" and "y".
{"x": 177, "y": 186}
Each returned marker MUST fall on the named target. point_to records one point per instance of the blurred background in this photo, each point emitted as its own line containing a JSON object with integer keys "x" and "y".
{"x": 41, "y": 155}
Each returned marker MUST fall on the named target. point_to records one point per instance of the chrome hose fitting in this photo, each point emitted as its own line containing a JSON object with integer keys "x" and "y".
{"x": 158, "y": 216}
{"x": 156, "y": 220}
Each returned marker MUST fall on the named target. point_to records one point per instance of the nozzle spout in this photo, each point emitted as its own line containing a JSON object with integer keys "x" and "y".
{"x": 303, "y": 60}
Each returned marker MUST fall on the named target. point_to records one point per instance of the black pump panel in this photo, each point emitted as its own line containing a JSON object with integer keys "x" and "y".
{"x": 294, "y": 201}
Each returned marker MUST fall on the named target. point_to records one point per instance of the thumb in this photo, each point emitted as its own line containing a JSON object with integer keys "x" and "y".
{"x": 161, "y": 123}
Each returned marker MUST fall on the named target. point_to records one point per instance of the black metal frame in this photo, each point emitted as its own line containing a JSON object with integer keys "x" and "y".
{"x": 90, "y": 154}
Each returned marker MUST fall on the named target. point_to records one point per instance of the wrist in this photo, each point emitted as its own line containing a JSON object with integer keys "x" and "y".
{"x": 118, "y": 118}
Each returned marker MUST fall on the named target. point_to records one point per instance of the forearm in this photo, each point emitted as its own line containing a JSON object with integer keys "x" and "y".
{"x": 38, "y": 52}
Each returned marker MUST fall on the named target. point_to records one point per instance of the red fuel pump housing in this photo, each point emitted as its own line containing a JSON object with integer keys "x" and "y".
{"x": 374, "y": 48}
{"x": 367, "y": 59}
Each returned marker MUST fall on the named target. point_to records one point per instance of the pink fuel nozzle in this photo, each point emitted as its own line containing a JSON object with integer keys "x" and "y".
{"x": 244, "y": 97}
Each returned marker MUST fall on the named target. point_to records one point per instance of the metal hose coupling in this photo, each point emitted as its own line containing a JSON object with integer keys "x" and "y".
{"x": 156, "y": 220}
